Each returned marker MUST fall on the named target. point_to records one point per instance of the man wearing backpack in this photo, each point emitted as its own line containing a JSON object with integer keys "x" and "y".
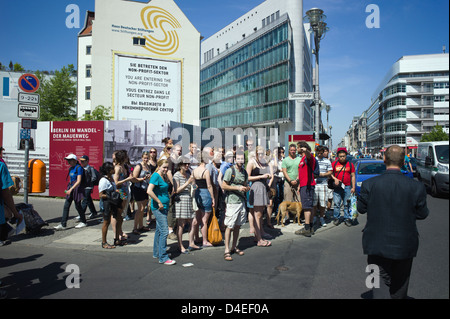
{"x": 235, "y": 186}
{"x": 92, "y": 179}
{"x": 74, "y": 193}
{"x": 345, "y": 181}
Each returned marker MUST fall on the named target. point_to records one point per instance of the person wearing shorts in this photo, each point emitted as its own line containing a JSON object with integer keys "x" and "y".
{"x": 306, "y": 183}
{"x": 235, "y": 186}
{"x": 321, "y": 193}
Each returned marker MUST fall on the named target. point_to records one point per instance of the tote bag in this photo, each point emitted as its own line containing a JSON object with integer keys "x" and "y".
{"x": 214, "y": 233}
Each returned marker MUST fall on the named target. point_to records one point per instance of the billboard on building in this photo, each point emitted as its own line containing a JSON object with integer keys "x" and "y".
{"x": 147, "y": 89}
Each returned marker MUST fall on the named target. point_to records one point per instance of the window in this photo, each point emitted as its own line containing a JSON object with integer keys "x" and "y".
{"x": 441, "y": 85}
{"x": 139, "y": 41}
{"x": 88, "y": 93}
{"x": 88, "y": 49}
{"x": 88, "y": 71}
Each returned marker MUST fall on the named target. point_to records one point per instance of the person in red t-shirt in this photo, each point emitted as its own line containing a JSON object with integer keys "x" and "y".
{"x": 345, "y": 181}
{"x": 306, "y": 185}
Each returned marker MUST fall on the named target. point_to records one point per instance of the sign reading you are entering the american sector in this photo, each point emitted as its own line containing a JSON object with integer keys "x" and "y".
{"x": 147, "y": 89}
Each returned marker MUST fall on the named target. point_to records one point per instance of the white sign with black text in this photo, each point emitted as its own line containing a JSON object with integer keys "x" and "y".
{"x": 147, "y": 89}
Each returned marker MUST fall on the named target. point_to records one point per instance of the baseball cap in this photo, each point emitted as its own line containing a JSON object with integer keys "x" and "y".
{"x": 84, "y": 158}
{"x": 342, "y": 149}
{"x": 71, "y": 157}
{"x": 229, "y": 153}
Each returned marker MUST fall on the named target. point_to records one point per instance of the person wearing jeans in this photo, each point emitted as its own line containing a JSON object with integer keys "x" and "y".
{"x": 74, "y": 193}
{"x": 345, "y": 185}
{"x": 340, "y": 195}
{"x": 158, "y": 192}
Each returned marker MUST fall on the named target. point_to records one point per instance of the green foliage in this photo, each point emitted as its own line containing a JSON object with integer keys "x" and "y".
{"x": 18, "y": 67}
{"x": 100, "y": 113}
{"x": 436, "y": 135}
{"x": 58, "y": 95}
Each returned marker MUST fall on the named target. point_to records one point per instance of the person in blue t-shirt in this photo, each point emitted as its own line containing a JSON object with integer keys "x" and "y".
{"x": 158, "y": 190}
{"x": 74, "y": 193}
{"x": 6, "y": 200}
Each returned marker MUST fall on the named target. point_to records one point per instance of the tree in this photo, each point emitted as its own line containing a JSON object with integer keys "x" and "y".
{"x": 100, "y": 113}
{"x": 18, "y": 68}
{"x": 436, "y": 134}
{"x": 58, "y": 95}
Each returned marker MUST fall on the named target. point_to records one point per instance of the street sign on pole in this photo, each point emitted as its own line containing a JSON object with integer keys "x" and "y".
{"x": 25, "y": 134}
{"x": 29, "y": 124}
{"x": 29, "y": 111}
{"x": 301, "y": 96}
{"x": 29, "y": 83}
{"x": 29, "y": 98}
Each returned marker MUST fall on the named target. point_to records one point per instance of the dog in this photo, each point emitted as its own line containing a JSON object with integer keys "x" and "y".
{"x": 289, "y": 207}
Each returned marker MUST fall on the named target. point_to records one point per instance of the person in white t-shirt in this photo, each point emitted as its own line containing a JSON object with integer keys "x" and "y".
{"x": 107, "y": 186}
{"x": 321, "y": 193}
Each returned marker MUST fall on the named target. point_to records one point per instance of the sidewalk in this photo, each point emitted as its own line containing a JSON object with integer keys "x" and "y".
{"x": 90, "y": 238}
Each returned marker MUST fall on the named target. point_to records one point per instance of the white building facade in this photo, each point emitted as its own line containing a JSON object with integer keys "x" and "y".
{"x": 250, "y": 66}
{"x": 409, "y": 102}
{"x": 140, "y": 60}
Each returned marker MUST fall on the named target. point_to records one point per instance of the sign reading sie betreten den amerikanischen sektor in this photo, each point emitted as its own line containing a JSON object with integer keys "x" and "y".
{"x": 147, "y": 89}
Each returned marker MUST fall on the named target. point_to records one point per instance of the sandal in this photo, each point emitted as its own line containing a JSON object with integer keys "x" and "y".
{"x": 266, "y": 243}
{"x": 120, "y": 242}
{"x": 107, "y": 246}
{"x": 227, "y": 257}
{"x": 238, "y": 252}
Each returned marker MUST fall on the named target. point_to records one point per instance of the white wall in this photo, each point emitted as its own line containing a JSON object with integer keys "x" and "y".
{"x": 107, "y": 42}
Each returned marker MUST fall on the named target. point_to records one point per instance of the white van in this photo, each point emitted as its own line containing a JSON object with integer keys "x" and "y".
{"x": 432, "y": 166}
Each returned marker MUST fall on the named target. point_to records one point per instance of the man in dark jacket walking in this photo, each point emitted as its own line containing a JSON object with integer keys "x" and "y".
{"x": 393, "y": 203}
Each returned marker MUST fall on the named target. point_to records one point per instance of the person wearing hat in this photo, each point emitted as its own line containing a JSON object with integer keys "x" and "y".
{"x": 74, "y": 193}
{"x": 87, "y": 201}
{"x": 345, "y": 185}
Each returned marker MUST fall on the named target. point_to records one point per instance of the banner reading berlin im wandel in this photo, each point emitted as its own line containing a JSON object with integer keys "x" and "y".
{"x": 79, "y": 138}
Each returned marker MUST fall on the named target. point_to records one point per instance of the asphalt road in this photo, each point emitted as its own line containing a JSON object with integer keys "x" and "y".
{"x": 330, "y": 265}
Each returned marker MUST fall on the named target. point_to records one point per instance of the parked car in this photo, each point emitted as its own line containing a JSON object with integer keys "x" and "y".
{"x": 432, "y": 166}
{"x": 368, "y": 168}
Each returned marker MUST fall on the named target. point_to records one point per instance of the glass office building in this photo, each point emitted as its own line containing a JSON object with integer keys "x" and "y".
{"x": 247, "y": 83}
{"x": 410, "y": 101}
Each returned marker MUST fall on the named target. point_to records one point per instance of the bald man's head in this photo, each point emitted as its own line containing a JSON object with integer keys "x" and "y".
{"x": 394, "y": 156}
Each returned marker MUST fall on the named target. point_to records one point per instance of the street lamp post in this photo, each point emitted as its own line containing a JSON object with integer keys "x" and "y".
{"x": 316, "y": 18}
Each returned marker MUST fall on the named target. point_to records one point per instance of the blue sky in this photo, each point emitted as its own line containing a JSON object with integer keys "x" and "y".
{"x": 354, "y": 59}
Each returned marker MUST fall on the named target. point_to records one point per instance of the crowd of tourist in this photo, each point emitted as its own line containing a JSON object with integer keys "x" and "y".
{"x": 181, "y": 192}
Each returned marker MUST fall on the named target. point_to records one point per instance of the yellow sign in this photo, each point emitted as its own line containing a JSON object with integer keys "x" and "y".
{"x": 165, "y": 40}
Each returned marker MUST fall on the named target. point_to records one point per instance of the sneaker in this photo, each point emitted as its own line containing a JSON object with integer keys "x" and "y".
{"x": 80, "y": 225}
{"x": 336, "y": 222}
{"x": 92, "y": 215}
{"x": 4, "y": 243}
{"x": 173, "y": 236}
{"x": 304, "y": 232}
{"x": 60, "y": 227}
{"x": 348, "y": 222}
{"x": 322, "y": 222}
{"x": 169, "y": 262}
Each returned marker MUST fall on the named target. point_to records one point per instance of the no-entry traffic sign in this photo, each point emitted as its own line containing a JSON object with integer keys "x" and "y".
{"x": 29, "y": 83}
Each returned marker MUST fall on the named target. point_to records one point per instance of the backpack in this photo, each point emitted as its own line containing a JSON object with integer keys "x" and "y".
{"x": 96, "y": 177}
{"x": 92, "y": 177}
{"x": 233, "y": 176}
